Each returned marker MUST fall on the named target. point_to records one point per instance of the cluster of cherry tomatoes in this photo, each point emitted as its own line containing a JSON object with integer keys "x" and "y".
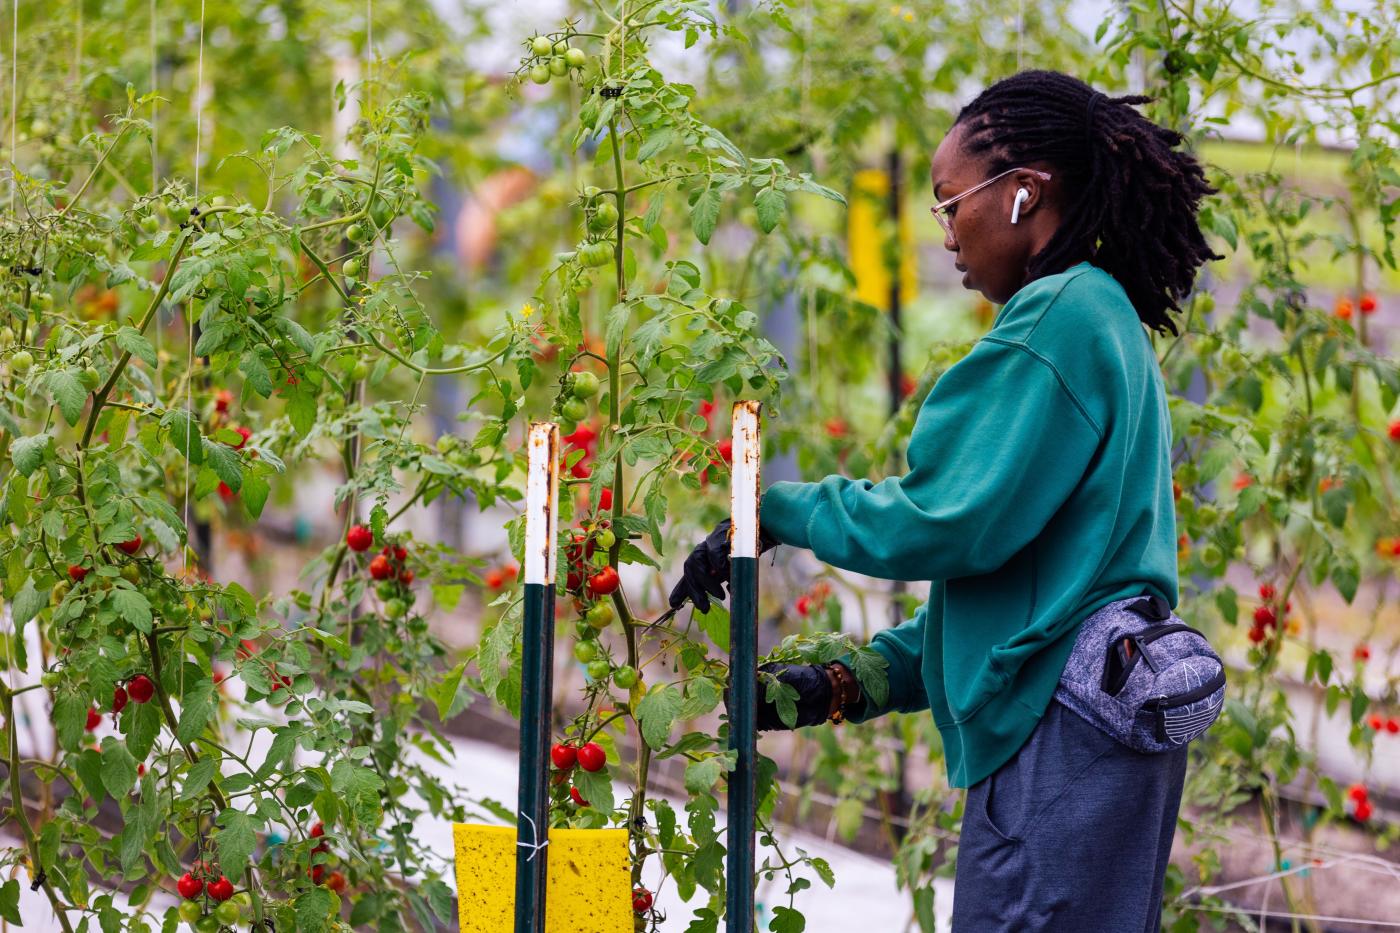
{"x": 590, "y": 756}
{"x": 209, "y": 899}
{"x": 812, "y": 600}
{"x": 139, "y": 689}
{"x": 1266, "y": 615}
{"x": 334, "y": 880}
{"x": 1358, "y": 802}
{"x": 1343, "y": 306}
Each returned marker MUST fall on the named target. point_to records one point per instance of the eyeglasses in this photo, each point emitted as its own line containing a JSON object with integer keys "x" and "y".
{"x": 940, "y": 210}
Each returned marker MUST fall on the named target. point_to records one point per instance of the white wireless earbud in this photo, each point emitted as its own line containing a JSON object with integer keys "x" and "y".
{"x": 1021, "y": 195}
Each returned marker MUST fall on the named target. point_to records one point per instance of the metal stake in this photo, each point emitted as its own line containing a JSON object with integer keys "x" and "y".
{"x": 743, "y": 666}
{"x": 536, "y": 677}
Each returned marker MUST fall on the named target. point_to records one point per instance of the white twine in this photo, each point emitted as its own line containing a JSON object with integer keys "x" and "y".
{"x": 14, "y": 106}
{"x": 534, "y": 846}
{"x": 189, "y": 318}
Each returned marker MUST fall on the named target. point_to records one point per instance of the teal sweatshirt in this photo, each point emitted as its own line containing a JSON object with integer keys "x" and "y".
{"x": 1039, "y": 489}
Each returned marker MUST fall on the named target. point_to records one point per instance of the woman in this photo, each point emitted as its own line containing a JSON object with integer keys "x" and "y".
{"x": 1039, "y": 490}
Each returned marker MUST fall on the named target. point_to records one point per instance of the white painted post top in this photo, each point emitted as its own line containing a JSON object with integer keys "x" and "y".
{"x": 541, "y": 502}
{"x": 743, "y": 481}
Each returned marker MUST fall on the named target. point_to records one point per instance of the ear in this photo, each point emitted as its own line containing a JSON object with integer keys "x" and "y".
{"x": 1033, "y": 185}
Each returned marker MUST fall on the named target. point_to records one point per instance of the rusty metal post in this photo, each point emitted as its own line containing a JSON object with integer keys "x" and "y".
{"x": 536, "y": 677}
{"x": 743, "y": 666}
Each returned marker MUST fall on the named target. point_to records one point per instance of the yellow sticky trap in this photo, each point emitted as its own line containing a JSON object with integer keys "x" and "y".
{"x": 867, "y": 209}
{"x": 589, "y": 888}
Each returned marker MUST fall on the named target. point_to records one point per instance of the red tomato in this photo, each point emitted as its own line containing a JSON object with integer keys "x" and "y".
{"x": 380, "y": 568}
{"x": 604, "y": 582}
{"x": 563, "y": 756}
{"x": 359, "y": 538}
{"x": 591, "y": 757}
{"x": 130, "y": 547}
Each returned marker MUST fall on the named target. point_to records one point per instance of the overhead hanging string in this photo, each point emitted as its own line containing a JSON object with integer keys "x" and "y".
{"x": 189, "y": 317}
{"x": 14, "y": 104}
{"x": 155, "y": 168}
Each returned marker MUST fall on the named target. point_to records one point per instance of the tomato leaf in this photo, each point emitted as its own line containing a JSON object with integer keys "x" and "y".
{"x": 195, "y": 708}
{"x": 254, "y": 493}
{"x": 225, "y": 463}
{"x": 701, "y": 776}
{"x": 9, "y": 902}
{"x": 118, "y": 767}
{"x": 28, "y": 453}
{"x": 27, "y": 603}
{"x": 236, "y": 840}
{"x": 705, "y": 215}
{"x": 70, "y": 716}
{"x": 197, "y": 778}
{"x": 771, "y": 205}
{"x": 184, "y": 434}
{"x": 787, "y": 920}
{"x": 142, "y": 725}
{"x": 132, "y": 606}
{"x": 656, "y": 712}
{"x": 69, "y": 394}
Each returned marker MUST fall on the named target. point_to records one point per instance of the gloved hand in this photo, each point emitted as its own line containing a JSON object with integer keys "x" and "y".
{"x": 813, "y": 701}
{"x": 706, "y": 570}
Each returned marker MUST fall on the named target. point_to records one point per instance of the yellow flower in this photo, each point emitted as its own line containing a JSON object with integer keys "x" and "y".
{"x": 527, "y": 310}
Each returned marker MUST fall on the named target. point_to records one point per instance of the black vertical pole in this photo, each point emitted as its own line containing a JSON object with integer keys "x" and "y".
{"x": 536, "y": 678}
{"x": 896, "y": 387}
{"x": 743, "y": 667}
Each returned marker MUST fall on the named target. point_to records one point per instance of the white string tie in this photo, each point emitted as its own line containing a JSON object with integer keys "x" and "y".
{"x": 535, "y": 846}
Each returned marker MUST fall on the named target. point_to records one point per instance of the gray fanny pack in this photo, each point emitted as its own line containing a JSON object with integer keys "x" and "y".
{"x": 1142, "y": 675}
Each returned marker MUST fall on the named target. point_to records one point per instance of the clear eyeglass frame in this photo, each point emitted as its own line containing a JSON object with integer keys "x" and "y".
{"x": 939, "y": 210}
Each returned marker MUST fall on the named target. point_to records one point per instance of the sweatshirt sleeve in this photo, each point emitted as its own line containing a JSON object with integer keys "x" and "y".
{"x": 903, "y": 647}
{"x": 997, "y": 448}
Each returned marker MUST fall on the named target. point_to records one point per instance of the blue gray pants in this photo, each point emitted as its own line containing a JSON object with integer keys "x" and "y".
{"x": 1071, "y": 835}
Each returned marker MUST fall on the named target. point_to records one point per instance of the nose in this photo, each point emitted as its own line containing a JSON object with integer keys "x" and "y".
{"x": 950, "y": 242}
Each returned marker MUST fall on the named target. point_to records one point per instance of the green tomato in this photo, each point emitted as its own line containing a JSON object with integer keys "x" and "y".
{"x": 361, "y": 370}
{"x": 150, "y": 223}
{"x": 131, "y": 573}
{"x": 599, "y": 615}
{"x": 557, "y": 66}
{"x": 447, "y": 443}
{"x": 190, "y": 911}
{"x": 1211, "y": 556}
{"x": 599, "y": 669}
{"x": 7, "y": 335}
{"x": 386, "y": 589}
{"x": 597, "y": 253}
{"x": 1208, "y": 514}
{"x": 603, "y": 218}
{"x": 228, "y": 913}
{"x": 351, "y": 268}
{"x": 40, "y": 127}
{"x": 540, "y": 74}
{"x": 355, "y": 233}
{"x": 395, "y": 608}
{"x": 585, "y": 385}
{"x": 591, "y": 191}
{"x": 585, "y": 651}
{"x": 575, "y": 58}
{"x": 90, "y": 378}
{"x": 209, "y": 924}
{"x": 574, "y": 409}
{"x": 243, "y": 899}
{"x": 606, "y": 539}
{"x": 625, "y": 677}
{"x": 43, "y": 301}
{"x": 541, "y": 46}
{"x": 50, "y": 679}
{"x": 561, "y": 47}
{"x": 21, "y": 360}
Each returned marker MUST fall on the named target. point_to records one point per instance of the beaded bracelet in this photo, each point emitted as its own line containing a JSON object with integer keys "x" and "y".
{"x": 845, "y": 686}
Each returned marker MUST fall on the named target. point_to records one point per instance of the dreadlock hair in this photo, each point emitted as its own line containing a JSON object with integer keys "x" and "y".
{"x": 1130, "y": 199}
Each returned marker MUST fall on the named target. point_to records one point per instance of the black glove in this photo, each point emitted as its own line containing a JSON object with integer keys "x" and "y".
{"x": 813, "y": 700}
{"x": 706, "y": 570}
